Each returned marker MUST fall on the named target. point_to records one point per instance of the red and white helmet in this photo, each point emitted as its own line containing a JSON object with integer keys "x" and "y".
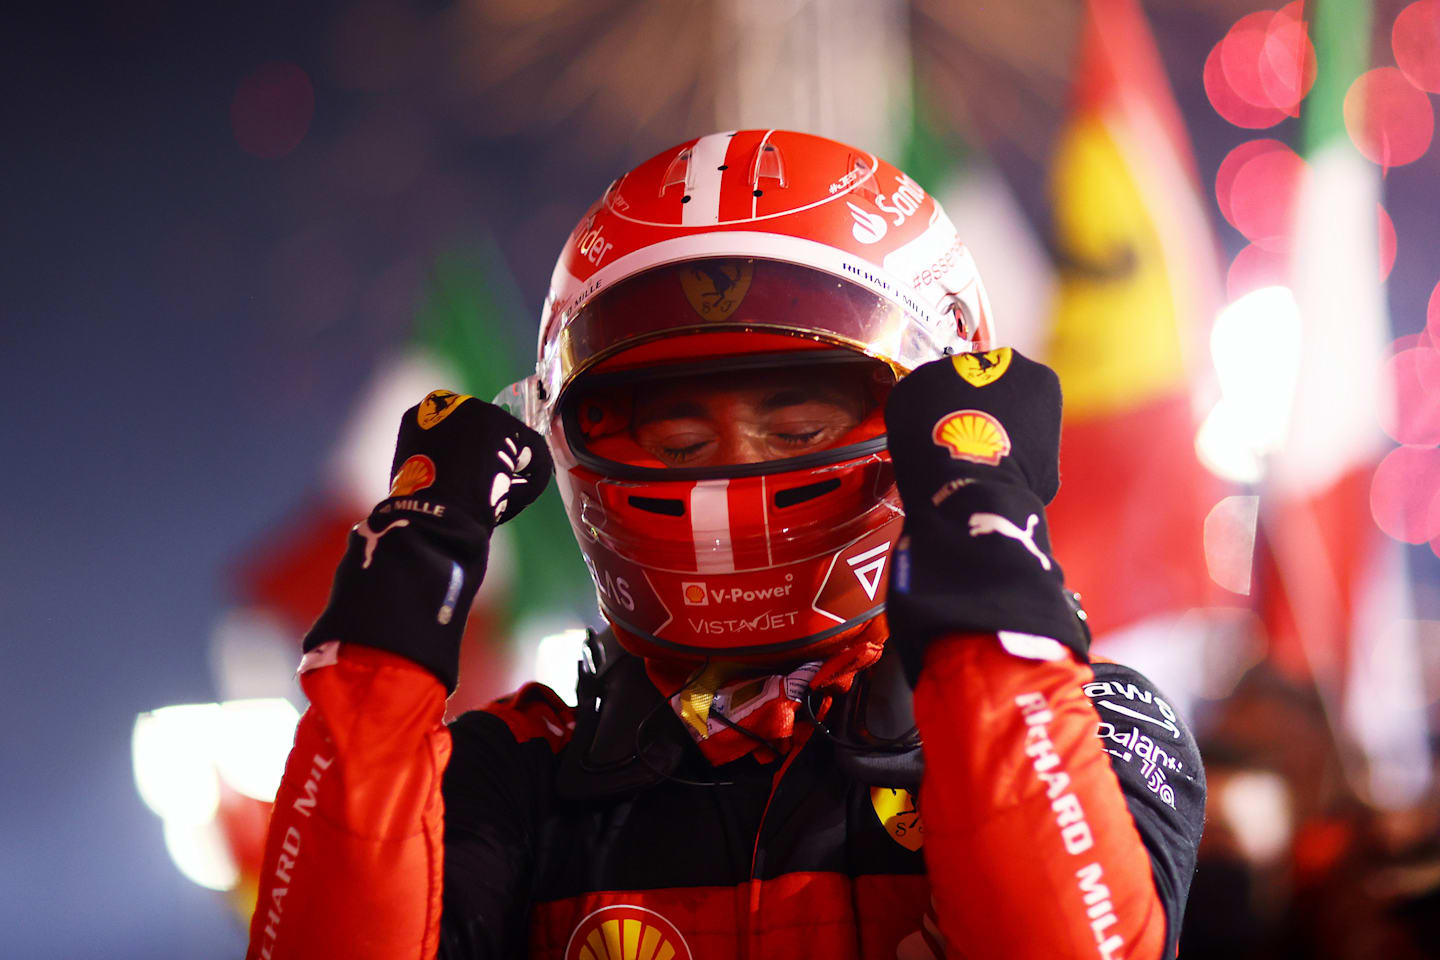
{"x": 743, "y": 250}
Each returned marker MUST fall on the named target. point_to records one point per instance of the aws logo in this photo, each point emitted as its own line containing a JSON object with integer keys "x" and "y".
{"x": 626, "y": 932}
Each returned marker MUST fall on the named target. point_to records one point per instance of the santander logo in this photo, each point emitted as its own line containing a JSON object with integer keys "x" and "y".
{"x": 869, "y": 227}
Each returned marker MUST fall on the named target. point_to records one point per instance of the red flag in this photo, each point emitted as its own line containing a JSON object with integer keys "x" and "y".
{"x": 1138, "y": 286}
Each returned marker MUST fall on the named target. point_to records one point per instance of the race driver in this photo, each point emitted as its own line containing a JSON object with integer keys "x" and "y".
{"x": 844, "y": 706}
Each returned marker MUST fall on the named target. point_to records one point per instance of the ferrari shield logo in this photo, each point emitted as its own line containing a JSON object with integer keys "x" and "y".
{"x": 982, "y": 369}
{"x": 436, "y": 407}
{"x": 899, "y": 814}
{"x": 715, "y": 288}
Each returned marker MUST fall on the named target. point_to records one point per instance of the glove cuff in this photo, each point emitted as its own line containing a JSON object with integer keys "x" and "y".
{"x": 978, "y": 561}
{"x": 406, "y": 583}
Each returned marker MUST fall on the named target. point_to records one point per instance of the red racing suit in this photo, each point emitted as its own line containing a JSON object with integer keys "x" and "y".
{"x": 1058, "y": 816}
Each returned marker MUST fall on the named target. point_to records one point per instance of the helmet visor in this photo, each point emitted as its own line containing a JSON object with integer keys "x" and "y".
{"x": 730, "y": 416}
{"x": 720, "y": 295}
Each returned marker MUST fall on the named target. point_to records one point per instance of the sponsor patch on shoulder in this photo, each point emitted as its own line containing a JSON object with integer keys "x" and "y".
{"x": 972, "y": 435}
{"x": 982, "y": 369}
{"x": 899, "y": 814}
{"x": 439, "y": 405}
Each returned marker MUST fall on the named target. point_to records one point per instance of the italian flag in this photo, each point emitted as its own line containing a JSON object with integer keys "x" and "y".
{"x": 1332, "y": 588}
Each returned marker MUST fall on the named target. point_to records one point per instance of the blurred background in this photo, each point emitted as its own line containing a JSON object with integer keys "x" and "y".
{"x": 240, "y": 239}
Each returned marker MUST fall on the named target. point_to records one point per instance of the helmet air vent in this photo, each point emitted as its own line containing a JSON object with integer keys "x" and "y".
{"x": 788, "y": 498}
{"x": 665, "y": 506}
{"x": 679, "y": 173}
{"x": 768, "y": 164}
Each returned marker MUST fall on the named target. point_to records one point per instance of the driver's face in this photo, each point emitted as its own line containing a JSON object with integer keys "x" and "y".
{"x": 745, "y": 418}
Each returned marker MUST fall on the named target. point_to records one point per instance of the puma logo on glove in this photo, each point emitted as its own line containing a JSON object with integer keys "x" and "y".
{"x": 983, "y": 523}
{"x": 372, "y": 539}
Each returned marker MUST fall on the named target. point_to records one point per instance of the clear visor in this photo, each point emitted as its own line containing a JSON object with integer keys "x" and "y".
{"x": 740, "y": 295}
{"x": 729, "y": 416}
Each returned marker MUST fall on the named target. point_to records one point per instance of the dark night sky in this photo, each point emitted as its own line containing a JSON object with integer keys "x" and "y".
{"x": 170, "y": 388}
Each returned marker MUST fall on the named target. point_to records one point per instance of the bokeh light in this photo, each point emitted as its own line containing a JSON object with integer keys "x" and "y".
{"x": 1415, "y": 39}
{"x": 1413, "y": 379}
{"x": 1230, "y": 166}
{"x": 1287, "y": 61}
{"x": 170, "y": 751}
{"x": 272, "y": 109}
{"x": 250, "y": 742}
{"x": 1262, "y": 197}
{"x": 1432, "y": 316}
{"x": 1229, "y": 537}
{"x": 1255, "y": 346}
{"x": 1262, "y": 68}
{"x": 1385, "y": 233}
{"x": 556, "y": 657}
{"x": 201, "y": 853}
{"x": 1257, "y": 810}
{"x": 1390, "y": 121}
{"x": 1255, "y": 267}
{"x": 1228, "y": 102}
{"x": 1241, "y": 52}
{"x": 192, "y": 761}
{"x": 1222, "y": 446}
{"x": 1403, "y": 494}
{"x": 1408, "y": 341}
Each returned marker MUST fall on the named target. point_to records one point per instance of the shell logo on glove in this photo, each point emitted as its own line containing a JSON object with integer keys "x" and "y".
{"x": 439, "y": 405}
{"x": 972, "y": 435}
{"x": 982, "y": 369}
{"x": 626, "y": 932}
{"x": 416, "y": 473}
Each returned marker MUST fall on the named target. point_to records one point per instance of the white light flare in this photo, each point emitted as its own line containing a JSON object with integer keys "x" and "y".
{"x": 1255, "y": 345}
{"x": 181, "y": 754}
{"x": 1255, "y": 805}
{"x": 171, "y": 750}
{"x": 252, "y": 740}
{"x": 200, "y": 852}
{"x": 556, "y": 661}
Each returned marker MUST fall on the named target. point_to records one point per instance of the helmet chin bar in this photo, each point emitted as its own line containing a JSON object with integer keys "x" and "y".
{"x": 648, "y": 645}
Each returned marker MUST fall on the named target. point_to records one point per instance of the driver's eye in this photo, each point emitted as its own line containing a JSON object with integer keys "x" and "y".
{"x": 798, "y": 440}
{"x": 678, "y": 455}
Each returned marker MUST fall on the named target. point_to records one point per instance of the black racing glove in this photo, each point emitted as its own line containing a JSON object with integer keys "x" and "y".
{"x": 975, "y": 440}
{"x": 409, "y": 575}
